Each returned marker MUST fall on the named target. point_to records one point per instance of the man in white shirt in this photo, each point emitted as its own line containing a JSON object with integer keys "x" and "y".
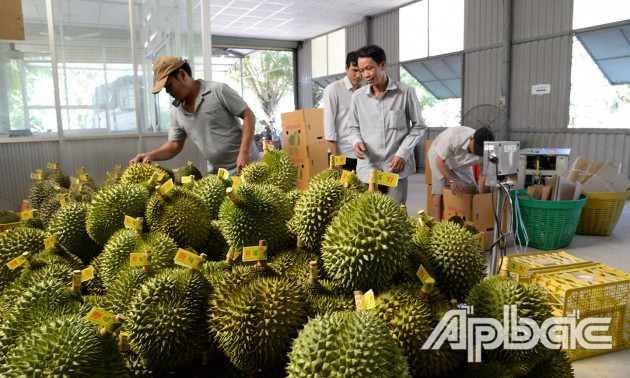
{"x": 337, "y": 97}
{"x": 451, "y": 157}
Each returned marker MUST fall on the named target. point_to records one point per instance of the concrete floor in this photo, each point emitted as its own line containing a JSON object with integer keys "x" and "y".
{"x": 608, "y": 250}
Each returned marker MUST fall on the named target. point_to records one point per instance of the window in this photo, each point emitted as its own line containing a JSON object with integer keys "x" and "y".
{"x": 328, "y": 54}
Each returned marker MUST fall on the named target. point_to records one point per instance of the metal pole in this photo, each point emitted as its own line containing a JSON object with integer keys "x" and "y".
{"x": 55, "y": 71}
{"x": 134, "y": 62}
{"x": 498, "y": 220}
{"x": 506, "y": 71}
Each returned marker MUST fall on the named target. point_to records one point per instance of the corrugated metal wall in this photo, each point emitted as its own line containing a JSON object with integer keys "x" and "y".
{"x": 189, "y": 153}
{"x": 305, "y": 86}
{"x": 98, "y": 156}
{"x": 482, "y": 78}
{"x": 383, "y": 31}
{"x": 356, "y": 36}
{"x": 483, "y": 23}
{"x": 536, "y": 18}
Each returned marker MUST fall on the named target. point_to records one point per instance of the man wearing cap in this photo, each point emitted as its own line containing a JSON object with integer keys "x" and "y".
{"x": 451, "y": 157}
{"x": 207, "y": 112}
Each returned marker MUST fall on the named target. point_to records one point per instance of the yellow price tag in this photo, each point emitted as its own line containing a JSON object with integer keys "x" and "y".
{"x": 83, "y": 177}
{"x": 61, "y": 196}
{"x": 101, "y": 317}
{"x": 505, "y": 262}
{"x": 338, "y": 160}
{"x": 423, "y": 274}
{"x": 175, "y": 170}
{"x": 255, "y": 253}
{"x": 189, "y": 162}
{"x": 38, "y": 171}
{"x": 166, "y": 187}
{"x": 118, "y": 167}
{"x": 79, "y": 171}
{"x": 123, "y": 342}
{"x": 347, "y": 176}
{"x": 236, "y": 181}
{"x": 236, "y": 254}
{"x": 383, "y": 178}
{"x": 187, "y": 179}
{"x": 50, "y": 241}
{"x": 222, "y": 174}
{"x": 16, "y": 262}
{"x": 369, "y": 300}
{"x": 161, "y": 176}
{"x": 154, "y": 179}
{"x": 36, "y": 176}
{"x": 51, "y": 166}
{"x": 518, "y": 268}
{"x": 29, "y": 214}
{"x": 76, "y": 186}
{"x": 188, "y": 259}
{"x": 74, "y": 180}
{"x": 63, "y": 202}
{"x": 132, "y": 223}
{"x": 87, "y": 274}
{"x": 138, "y": 259}
{"x": 359, "y": 301}
{"x": 112, "y": 175}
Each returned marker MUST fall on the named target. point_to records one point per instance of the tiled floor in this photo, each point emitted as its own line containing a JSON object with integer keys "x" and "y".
{"x": 613, "y": 250}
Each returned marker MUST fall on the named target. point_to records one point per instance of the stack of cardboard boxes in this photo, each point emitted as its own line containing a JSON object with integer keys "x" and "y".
{"x": 303, "y": 140}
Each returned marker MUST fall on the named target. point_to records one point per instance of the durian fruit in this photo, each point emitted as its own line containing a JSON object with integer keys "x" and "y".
{"x": 8, "y": 216}
{"x": 555, "y": 364}
{"x": 69, "y": 225}
{"x": 410, "y": 322}
{"x": 109, "y": 181}
{"x": 293, "y": 196}
{"x": 187, "y": 170}
{"x": 457, "y": 220}
{"x": 488, "y": 299}
{"x": 166, "y": 319}
{"x": 95, "y": 286}
{"x": 34, "y": 307}
{"x": 64, "y": 347}
{"x": 13, "y": 243}
{"x": 253, "y": 322}
{"x": 293, "y": 264}
{"x": 324, "y": 298}
{"x": 275, "y": 168}
{"x": 141, "y": 173}
{"x": 216, "y": 247}
{"x": 48, "y": 208}
{"x": 182, "y": 215}
{"x": 316, "y": 208}
{"x": 365, "y": 244}
{"x": 212, "y": 192}
{"x": 260, "y": 213}
{"x": 106, "y": 213}
{"x": 335, "y": 174}
{"x": 34, "y": 223}
{"x": 346, "y": 344}
{"x": 457, "y": 258}
{"x": 40, "y": 190}
{"x": 116, "y": 254}
{"x": 123, "y": 289}
{"x": 58, "y": 177}
{"x": 216, "y": 271}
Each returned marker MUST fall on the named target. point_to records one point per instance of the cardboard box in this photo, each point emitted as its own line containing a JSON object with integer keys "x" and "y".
{"x": 429, "y": 206}
{"x": 427, "y": 166}
{"x": 304, "y": 127}
{"x": 473, "y": 208}
{"x": 309, "y": 160}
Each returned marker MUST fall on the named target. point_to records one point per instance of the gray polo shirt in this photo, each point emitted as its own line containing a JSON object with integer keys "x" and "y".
{"x": 215, "y": 127}
{"x": 389, "y": 126}
{"x": 337, "y": 98}
{"x": 452, "y": 146}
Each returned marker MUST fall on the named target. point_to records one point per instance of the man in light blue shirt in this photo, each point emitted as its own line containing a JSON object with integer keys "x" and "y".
{"x": 385, "y": 123}
{"x": 337, "y": 98}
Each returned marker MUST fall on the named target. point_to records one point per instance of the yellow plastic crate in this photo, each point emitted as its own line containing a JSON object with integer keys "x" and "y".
{"x": 6, "y": 226}
{"x": 601, "y": 212}
{"x": 595, "y": 290}
{"x": 479, "y": 238}
{"x": 546, "y": 260}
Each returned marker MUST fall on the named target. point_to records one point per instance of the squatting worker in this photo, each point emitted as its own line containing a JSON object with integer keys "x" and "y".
{"x": 337, "y": 97}
{"x": 207, "y": 112}
{"x": 451, "y": 157}
{"x": 385, "y": 123}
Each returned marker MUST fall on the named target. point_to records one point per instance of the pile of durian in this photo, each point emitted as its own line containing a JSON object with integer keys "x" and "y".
{"x": 293, "y": 314}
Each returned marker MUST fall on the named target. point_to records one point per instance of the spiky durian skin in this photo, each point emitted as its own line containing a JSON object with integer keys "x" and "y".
{"x": 106, "y": 213}
{"x": 69, "y": 225}
{"x": 410, "y": 322}
{"x": 555, "y": 364}
{"x": 316, "y": 208}
{"x": 365, "y": 244}
{"x": 324, "y": 298}
{"x": 346, "y": 344}
{"x": 8, "y": 216}
{"x": 488, "y": 299}
{"x": 116, "y": 254}
{"x": 95, "y": 285}
{"x": 64, "y": 347}
{"x": 254, "y": 322}
{"x": 48, "y": 208}
{"x": 187, "y": 170}
{"x": 123, "y": 289}
{"x": 216, "y": 247}
{"x": 35, "y": 306}
{"x": 59, "y": 178}
{"x": 262, "y": 214}
{"x": 335, "y": 175}
{"x": 141, "y": 173}
{"x": 34, "y": 223}
{"x": 182, "y": 215}
{"x": 13, "y": 243}
{"x": 212, "y": 192}
{"x": 457, "y": 258}
{"x": 166, "y": 319}
{"x": 40, "y": 190}
{"x": 282, "y": 171}
{"x": 255, "y": 173}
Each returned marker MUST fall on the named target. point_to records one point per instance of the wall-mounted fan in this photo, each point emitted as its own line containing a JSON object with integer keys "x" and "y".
{"x": 491, "y": 116}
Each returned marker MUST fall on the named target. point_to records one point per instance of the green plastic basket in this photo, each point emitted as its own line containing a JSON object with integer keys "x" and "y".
{"x": 549, "y": 224}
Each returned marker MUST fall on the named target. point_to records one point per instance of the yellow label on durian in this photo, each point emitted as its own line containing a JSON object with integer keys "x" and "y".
{"x": 61, "y": 196}
{"x": 383, "y": 178}
{"x": 16, "y": 262}
{"x": 222, "y": 174}
{"x": 101, "y": 317}
{"x": 123, "y": 342}
{"x": 346, "y": 176}
{"x": 188, "y": 259}
{"x": 138, "y": 259}
{"x": 518, "y": 268}
{"x": 112, "y": 174}
{"x": 189, "y": 162}
{"x": 161, "y": 176}
{"x": 36, "y": 176}
{"x": 236, "y": 254}
{"x": 83, "y": 177}
{"x": 79, "y": 171}
{"x": 187, "y": 179}
{"x": 236, "y": 181}
{"x": 52, "y": 240}
{"x": 255, "y": 253}
{"x": 166, "y": 187}
{"x": 176, "y": 170}
{"x": 369, "y": 300}
{"x": 505, "y": 262}
{"x": 118, "y": 167}
{"x": 76, "y": 187}
{"x": 359, "y": 301}
{"x": 87, "y": 274}
{"x": 63, "y": 202}
{"x": 29, "y": 214}
{"x": 51, "y": 166}
{"x": 74, "y": 180}
{"x": 38, "y": 170}
{"x": 133, "y": 223}
{"x": 337, "y": 160}
{"x": 423, "y": 274}
{"x": 154, "y": 179}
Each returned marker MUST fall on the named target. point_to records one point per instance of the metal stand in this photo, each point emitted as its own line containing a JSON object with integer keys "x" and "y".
{"x": 498, "y": 232}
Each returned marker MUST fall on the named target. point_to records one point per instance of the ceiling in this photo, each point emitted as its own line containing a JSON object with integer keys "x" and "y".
{"x": 294, "y": 20}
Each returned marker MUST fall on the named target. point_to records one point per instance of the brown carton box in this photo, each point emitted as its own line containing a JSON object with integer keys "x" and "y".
{"x": 309, "y": 160}
{"x": 304, "y": 127}
{"x": 429, "y": 206}
{"x": 427, "y": 167}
